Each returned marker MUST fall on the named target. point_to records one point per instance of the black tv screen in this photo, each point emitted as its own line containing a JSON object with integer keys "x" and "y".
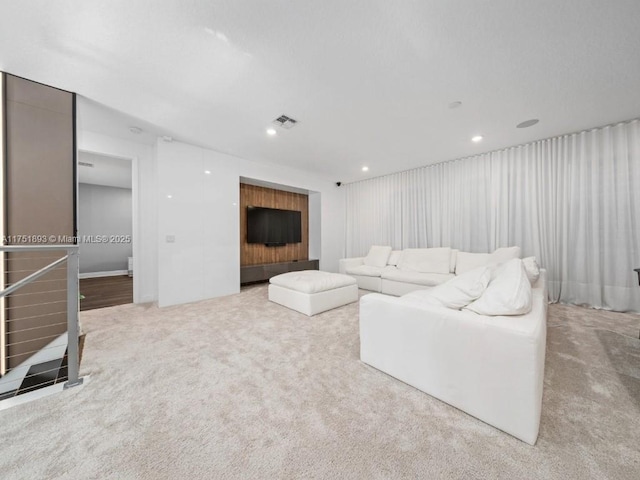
{"x": 272, "y": 226}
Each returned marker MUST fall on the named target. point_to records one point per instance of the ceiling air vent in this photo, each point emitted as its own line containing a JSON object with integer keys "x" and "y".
{"x": 85, "y": 164}
{"x": 285, "y": 122}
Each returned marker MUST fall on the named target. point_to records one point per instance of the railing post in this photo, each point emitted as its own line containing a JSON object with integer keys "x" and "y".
{"x": 73, "y": 362}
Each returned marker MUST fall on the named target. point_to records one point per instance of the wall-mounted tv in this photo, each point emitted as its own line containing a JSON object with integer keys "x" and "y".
{"x": 273, "y": 227}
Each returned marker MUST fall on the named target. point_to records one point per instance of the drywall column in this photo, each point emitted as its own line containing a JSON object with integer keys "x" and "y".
{"x": 198, "y": 225}
{"x": 39, "y": 206}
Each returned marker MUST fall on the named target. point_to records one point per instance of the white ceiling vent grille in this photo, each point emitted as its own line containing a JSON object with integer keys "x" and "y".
{"x": 285, "y": 122}
{"x": 85, "y": 164}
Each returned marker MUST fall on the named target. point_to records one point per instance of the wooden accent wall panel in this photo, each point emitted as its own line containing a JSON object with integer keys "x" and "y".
{"x": 39, "y": 201}
{"x": 256, "y": 254}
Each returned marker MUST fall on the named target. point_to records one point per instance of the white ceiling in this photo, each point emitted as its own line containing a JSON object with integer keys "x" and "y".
{"x": 369, "y": 80}
{"x": 95, "y": 117}
{"x": 106, "y": 171}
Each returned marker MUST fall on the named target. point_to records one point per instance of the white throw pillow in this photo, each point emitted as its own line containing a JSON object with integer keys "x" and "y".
{"x": 394, "y": 258}
{"x": 377, "y": 256}
{"x": 508, "y": 294}
{"x": 425, "y": 260}
{"x": 456, "y": 293}
{"x": 532, "y": 269}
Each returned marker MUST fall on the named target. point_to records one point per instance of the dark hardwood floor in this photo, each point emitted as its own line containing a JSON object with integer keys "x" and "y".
{"x": 105, "y": 291}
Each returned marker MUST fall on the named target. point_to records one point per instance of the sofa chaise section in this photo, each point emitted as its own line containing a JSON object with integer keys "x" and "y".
{"x": 491, "y": 367}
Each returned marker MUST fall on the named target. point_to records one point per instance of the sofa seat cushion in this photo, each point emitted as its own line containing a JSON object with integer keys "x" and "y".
{"x": 418, "y": 278}
{"x": 367, "y": 271}
{"x": 312, "y": 281}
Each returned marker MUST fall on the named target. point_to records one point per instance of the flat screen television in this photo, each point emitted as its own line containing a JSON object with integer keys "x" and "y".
{"x": 273, "y": 227}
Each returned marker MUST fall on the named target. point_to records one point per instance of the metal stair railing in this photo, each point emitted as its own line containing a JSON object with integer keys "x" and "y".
{"x": 70, "y": 257}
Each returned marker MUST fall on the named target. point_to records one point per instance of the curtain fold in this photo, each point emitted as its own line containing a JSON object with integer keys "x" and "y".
{"x": 569, "y": 201}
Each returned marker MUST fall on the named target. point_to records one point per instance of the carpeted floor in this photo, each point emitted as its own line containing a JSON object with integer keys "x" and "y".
{"x": 240, "y": 388}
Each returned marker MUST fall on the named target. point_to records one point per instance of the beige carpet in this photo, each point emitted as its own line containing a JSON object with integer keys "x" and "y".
{"x": 240, "y": 388}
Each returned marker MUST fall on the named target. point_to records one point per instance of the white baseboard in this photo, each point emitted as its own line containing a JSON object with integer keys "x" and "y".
{"x": 113, "y": 273}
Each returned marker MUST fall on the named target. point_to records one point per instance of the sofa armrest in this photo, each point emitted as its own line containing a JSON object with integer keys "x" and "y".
{"x": 345, "y": 263}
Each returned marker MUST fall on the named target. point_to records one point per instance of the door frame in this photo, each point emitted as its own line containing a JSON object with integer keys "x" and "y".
{"x": 135, "y": 248}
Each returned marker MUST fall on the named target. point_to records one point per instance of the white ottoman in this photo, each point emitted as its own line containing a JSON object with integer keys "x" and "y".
{"x": 312, "y": 291}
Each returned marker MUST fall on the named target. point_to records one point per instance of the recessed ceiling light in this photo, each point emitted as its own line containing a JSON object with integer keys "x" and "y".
{"x": 528, "y": 123}
{"x": 208, "y": 172}
{"x": 169, "y": 196}
{"x": 135, "y": 130}
{"x": 365, "y": 169}
{"x": 453, "y": 105}
{"x": 271, "y": 131}
{"x": 477, "y": 138}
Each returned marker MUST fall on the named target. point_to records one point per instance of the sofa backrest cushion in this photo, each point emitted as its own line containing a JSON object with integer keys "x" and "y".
{"x": 457, "y": 293}
{"x": 394, "y": 258}
{"x": 425, "y": 260}
{"x": 377, "y": 256}
{"x": 466, "y": 262}
{"x": 508, "y": 294}
{"x": 501, "y": 255}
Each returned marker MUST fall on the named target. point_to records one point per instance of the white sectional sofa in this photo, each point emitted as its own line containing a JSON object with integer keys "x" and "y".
{"x": 397, "y": 272}
{"x": 489, "y": 366}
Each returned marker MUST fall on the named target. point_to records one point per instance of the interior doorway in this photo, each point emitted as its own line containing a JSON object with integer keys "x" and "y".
{"x": 105, "y": 230}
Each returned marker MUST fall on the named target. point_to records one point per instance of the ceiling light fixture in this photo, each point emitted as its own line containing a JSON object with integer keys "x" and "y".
{"x": 207, "y": 172}
{"x": 477, "y": 138}
{"x": 365, "y": 169}
{"x": 528, "y": 123}
{"x": 135, "y": 130}
{"x": 271, "y": 131}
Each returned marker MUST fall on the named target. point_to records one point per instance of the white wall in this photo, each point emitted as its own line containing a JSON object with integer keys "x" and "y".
{"x": 198, "y": 224}
{"x": 202, "y": 217}
{"x": 204, "y": 260}
{"x": 144, "y": 205}
{"x": 315, "y": 225}
{"x": 104, "y": 211}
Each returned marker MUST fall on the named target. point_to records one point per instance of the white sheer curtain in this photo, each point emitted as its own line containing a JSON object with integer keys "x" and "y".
{"x": 567, "y": 200}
